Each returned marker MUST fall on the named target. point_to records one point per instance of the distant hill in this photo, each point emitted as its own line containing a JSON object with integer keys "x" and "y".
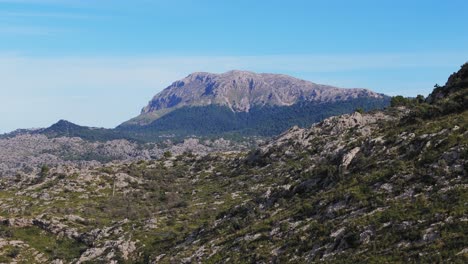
{"x": 65, "y": 128}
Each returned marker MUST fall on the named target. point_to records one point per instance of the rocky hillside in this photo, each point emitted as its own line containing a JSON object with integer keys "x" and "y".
{"x": 348, "y": 188}
{"x": 26, "y": 153}
{"x": 246, "y": 102}
{"x": 380, "y": 187}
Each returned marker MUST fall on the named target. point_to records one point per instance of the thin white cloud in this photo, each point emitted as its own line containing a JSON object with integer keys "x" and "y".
{"x": 62, "y": 15}
{"x": 102, "y": 70}
{"x": 158, "y": 71}
{"x": 28, "y": 30}
{"x": 61, "y": 2}
{"x": 72, "y": 3}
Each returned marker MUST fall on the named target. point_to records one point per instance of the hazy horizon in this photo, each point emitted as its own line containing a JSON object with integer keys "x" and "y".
{"x": 98, "y": 63}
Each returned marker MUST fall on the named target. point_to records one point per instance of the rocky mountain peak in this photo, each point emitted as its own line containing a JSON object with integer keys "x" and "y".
{"x": 241, "y": 91}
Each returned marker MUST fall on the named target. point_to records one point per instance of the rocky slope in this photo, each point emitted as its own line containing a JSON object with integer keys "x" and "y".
{"x": 379, "y": 187}
{"x": 26, "y": 153}
{"x": 348, "y": 188}
{"x": 241, "y": 91}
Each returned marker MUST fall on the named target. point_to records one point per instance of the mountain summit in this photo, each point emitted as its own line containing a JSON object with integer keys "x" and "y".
{"x": 240, "y": 91}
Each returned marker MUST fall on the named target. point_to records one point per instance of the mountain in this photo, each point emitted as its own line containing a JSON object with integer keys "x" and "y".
{"x": 241, "y": 91}
{"x": 245, "y": 103}
{"x": 64, "y": 128}
{"x": 385, "y": 186}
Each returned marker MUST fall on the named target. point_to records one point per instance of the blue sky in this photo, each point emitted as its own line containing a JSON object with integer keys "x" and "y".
{"x": 97, "y": 63}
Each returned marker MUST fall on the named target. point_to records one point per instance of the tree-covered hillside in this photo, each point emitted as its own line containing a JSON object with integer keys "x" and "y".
{"x": 214, "y": 120}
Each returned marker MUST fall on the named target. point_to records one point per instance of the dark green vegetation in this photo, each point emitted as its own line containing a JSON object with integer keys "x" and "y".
{"x": 381, "y": 187}
{"x": 50, "y": 245}
{"x": 64, "y": 128}
{"x": 266, "y": 121}
{"x": 219, "y": 121}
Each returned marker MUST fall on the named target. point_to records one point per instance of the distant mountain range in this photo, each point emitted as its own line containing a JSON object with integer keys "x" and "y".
{"x": 235, "y": 103}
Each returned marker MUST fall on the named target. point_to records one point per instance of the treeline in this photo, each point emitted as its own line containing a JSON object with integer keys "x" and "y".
{"x": 406, "y": 101}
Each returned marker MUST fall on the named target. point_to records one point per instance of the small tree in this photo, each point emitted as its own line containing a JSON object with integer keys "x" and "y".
{"x": 398, "y": 101}
{"x": 43, "y": 173}
{"x": 167, "y": 154}
{"x": 420, "y": 99}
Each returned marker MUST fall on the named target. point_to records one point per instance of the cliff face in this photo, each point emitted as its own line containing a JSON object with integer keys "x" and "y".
{"x": 241, "y": 91}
